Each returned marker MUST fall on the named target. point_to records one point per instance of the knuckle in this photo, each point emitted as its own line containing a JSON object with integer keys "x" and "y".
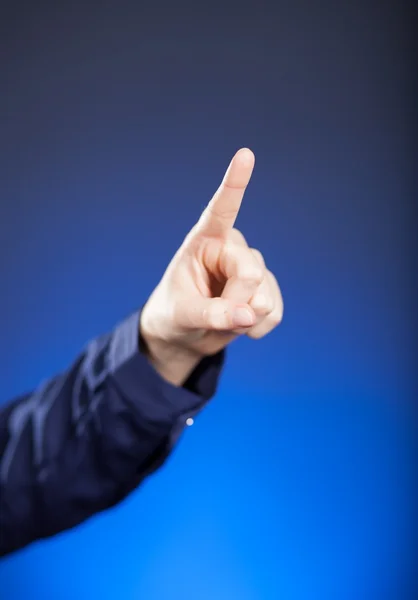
{"x": 261, "y": 304}
{"x": 251, "y": 273}
{"x": 243, "y": 264}
{"x": 256, "y": 334}
{"x": 251, "y": 276}
{"x": 258, "y": 256}
{"x": 238, "y": 237}
{"x": 276, "y": 316}
{"x": 217, "y": 316}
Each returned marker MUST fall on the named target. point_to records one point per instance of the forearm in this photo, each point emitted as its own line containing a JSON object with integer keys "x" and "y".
{"x": 84, "y": 440}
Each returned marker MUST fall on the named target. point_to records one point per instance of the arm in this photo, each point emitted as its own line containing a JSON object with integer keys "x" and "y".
{"x": 85, "y": 439}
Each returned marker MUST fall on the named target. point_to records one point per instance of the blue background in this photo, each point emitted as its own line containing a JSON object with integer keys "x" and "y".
{"x": 117, "y": 121}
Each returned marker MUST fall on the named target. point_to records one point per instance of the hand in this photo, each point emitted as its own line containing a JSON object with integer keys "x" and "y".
{"x": 214, "y": 289}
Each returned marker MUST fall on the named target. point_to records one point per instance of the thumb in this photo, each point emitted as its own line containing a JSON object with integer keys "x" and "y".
{"x": 217, "y": 314}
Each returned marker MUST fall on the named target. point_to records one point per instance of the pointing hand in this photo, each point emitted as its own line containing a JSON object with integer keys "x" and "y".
{"x": 215, "y": 287}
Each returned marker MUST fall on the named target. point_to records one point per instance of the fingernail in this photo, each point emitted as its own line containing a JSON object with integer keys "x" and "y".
{"x": 242, "y": 317}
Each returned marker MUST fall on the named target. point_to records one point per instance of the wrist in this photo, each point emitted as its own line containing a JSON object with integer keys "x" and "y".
{"x": 172, "y": 362}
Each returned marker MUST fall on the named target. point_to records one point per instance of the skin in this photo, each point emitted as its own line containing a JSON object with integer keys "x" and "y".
{"x": 215, "y": 288}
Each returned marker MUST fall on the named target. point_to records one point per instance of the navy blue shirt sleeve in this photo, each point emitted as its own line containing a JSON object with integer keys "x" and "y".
{"x": 83, "y": 440}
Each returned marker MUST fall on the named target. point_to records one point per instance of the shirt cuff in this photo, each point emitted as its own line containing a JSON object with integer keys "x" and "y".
{"x": 158, "y": 400}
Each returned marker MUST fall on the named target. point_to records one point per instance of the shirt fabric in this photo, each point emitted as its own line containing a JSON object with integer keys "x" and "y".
{"x": 83, "y": 440}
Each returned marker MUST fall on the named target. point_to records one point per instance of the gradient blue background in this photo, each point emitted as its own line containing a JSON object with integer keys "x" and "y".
{"x": 117, "y": 120}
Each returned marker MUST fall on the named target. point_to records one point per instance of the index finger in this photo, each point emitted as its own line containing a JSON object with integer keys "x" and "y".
{"x": 219, "y": 216}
